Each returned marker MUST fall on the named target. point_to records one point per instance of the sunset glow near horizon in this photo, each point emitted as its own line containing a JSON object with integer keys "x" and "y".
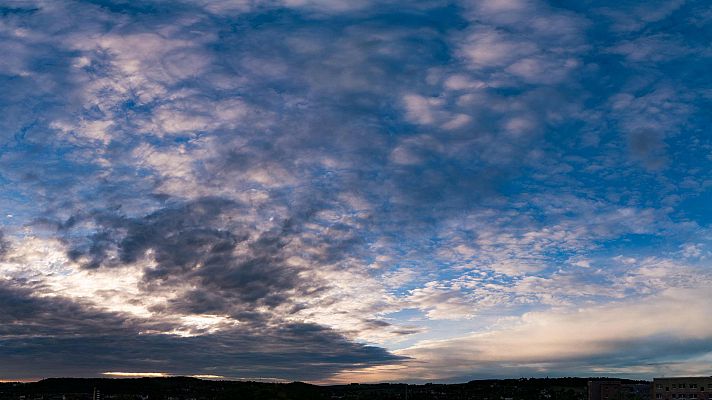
{"x": 342, "y": 191}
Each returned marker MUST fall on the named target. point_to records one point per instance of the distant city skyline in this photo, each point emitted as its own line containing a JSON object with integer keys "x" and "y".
{"x": 338, "y": 191}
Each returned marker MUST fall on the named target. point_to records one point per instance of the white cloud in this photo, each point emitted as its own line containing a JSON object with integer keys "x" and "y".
{"x": 654, "y": 48}
{"x": 351, "y": 303}
{"x": 399, "y": 277}
{"x": 539, "y": 70}
{"x": 420, "y": 109}
{"x": 489, "y": 48}
{"x": 442, "y": 302}
{"x": 462, "y": 82}
{"x": 693, "y": 250}
{"x": 119, "y": 289}
{"x": 569, "y": 339}
{"x": 634, "y": 16}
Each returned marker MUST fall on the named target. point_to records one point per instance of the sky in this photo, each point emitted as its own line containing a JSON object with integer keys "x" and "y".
{"x": 355, "y": 191}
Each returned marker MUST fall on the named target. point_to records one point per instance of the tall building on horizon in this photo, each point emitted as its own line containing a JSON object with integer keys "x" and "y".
{"x": 686, "y": 388}
{"x": 617, "y": 390}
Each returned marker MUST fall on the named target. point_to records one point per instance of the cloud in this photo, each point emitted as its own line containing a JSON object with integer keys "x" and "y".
{"x": 213, "y": 263}
{"x": 633, "y": 17}
{"x": 624, "y": 337}
{"x": 4, "y": 245}
{"x": 490, "y": 48}
{"x": 654, "y": 48}
{"x": 646, "y": 136}
{"x": 75, "y": 337}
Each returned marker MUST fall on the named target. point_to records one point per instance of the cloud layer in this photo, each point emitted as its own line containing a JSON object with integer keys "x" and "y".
{"x": 351, "y": 191}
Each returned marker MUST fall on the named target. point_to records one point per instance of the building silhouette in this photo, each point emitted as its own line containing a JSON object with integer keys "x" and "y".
{"x": 686, "y": 388}
{"x": 617, "y": 390}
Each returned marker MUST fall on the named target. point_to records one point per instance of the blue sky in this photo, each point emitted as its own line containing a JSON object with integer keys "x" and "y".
{"x": 355, "y": 191}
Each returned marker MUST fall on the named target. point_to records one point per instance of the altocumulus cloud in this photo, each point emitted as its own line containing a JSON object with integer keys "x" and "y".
{"x": 338, "y": 191}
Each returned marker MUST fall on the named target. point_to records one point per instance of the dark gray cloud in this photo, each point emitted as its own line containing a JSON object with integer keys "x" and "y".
{"x": 51, "y": 336}
{"x": 648, "y": 146}
{"x": 196, "y": 243}
{"x": 4, "y": 245}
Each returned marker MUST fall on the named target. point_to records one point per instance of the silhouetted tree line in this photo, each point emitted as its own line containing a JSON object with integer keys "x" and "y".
{"x": 195, "y": 389}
